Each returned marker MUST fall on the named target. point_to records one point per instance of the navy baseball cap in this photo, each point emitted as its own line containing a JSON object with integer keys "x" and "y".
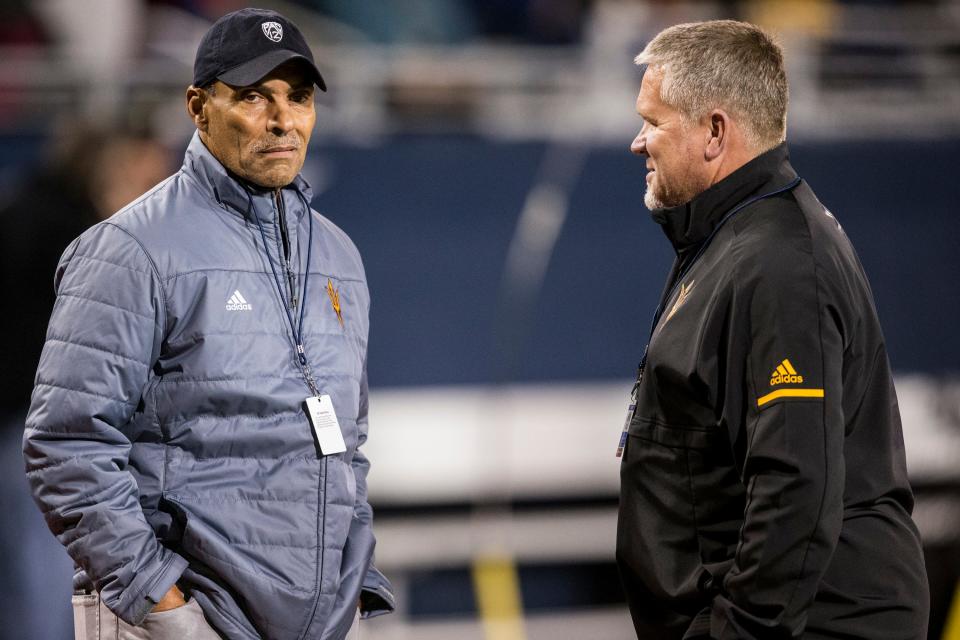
{"x": 244, "y": 46}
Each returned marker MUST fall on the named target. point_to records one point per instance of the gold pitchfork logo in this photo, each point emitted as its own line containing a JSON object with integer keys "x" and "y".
{"x": 335, "y": 300}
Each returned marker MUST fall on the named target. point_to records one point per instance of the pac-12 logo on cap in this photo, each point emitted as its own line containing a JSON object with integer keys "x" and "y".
{"x": 273, "y": 30}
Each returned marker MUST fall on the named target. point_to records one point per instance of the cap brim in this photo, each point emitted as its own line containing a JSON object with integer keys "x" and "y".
{"x": 254, "y": 70}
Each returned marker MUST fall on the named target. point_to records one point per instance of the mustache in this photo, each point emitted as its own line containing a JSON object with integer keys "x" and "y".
{"x": 273, "y": 143}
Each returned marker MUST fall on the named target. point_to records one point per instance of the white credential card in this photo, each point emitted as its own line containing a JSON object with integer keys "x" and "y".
{"x": 325, "y": 425}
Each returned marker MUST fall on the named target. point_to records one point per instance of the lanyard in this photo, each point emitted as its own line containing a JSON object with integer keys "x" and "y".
{"x": 297, "y": 329}
{"x": 700, "y": 251}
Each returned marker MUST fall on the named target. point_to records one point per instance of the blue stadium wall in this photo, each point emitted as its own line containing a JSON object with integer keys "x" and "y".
{"x": 433, "y": 217}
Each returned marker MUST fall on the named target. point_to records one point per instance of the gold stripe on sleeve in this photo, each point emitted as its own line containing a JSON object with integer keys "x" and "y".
{"x": 789, "y": 393}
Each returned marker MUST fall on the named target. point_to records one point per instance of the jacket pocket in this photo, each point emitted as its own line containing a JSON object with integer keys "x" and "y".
{"x": 677, "y": 437}
{"x": 684, "y": 479}
{"x": 183, "y": 622}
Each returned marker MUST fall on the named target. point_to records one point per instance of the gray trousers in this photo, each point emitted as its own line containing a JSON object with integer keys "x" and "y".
{"x": 92, "y": 620}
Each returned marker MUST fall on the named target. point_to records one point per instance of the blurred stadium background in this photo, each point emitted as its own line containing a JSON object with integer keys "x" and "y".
{"x": 477, "y": 153}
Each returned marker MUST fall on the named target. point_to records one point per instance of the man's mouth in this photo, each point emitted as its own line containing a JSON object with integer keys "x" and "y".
{"x": 286, "y": 146}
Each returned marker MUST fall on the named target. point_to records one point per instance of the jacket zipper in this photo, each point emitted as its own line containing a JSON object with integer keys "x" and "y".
{"x": 285, "y": 241}
{"x": 321, "y": 532}
{"x": 321, "y": 499}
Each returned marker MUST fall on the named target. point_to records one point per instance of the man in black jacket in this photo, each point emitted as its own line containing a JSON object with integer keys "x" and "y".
{"x": 764, "y": 491}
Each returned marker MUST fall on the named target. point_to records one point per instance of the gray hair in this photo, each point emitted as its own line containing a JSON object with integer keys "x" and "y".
{"x": 724, "y": 64}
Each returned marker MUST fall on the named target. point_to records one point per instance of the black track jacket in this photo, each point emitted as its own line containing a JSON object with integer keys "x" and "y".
{"x": 764, "y": 491}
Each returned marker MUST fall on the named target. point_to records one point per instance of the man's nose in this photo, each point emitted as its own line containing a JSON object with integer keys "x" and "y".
{"x": 281, "y": 117}
{"x": 639, "y": 145}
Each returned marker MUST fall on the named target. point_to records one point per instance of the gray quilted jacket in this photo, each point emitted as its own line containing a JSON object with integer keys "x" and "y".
{"x": 167, "y": 438}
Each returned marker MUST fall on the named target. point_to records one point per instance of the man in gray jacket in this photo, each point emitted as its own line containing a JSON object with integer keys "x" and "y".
{"x": 194, "y": 433}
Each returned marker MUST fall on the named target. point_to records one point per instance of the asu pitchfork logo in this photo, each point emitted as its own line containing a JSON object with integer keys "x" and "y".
{"x": 335, "y": 300}
{"x": 681, "y": 298}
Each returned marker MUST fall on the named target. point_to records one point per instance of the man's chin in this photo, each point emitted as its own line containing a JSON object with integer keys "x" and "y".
{"x": 652, "y": 201}
{"x": 272, "y": 178}
{"x": 278, "y": 183}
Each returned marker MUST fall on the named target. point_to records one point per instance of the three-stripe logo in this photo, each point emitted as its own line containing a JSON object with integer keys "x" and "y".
{"x": 785, "y": 374}
{"x": 238, "y": 303}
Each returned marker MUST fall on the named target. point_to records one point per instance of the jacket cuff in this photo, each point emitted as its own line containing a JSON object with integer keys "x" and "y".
{"x": 146, "y": 590}
{"x": 376, "y": 595}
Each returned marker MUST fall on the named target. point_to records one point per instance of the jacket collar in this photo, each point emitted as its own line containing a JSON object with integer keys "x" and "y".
{"x": 689, "y": 224}
{"x": 236, "y": 195}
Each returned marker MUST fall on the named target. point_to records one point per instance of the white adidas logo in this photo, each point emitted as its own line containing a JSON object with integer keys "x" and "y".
{"x": 238, "y": 303}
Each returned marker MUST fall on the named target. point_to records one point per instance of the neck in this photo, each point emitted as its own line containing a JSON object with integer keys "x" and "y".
{"x": 728, "y": 162}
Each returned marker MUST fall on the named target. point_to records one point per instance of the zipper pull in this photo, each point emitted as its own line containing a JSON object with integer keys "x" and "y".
{"x": 634, "y": 393}
{"x": 293, "y": 286}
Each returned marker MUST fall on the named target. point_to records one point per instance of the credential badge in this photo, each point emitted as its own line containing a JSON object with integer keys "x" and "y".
{"x": 273, "y": 31}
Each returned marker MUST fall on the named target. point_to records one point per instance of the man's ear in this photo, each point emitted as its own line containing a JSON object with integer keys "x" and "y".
{"x": 718, "y": 132}
{"x": 196, "y": 103}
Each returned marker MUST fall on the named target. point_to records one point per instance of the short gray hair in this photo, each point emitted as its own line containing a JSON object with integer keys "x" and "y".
{"x": 724, "y": 64}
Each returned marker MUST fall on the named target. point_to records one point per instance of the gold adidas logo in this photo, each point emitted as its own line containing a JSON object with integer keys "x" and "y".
{"x": 785, "y": 374}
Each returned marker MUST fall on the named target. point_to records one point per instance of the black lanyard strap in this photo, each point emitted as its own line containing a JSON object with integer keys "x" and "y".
{"x": 297, "y": 329}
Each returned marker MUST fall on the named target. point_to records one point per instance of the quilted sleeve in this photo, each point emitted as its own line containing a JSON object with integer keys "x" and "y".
{"x": 377, "y": 594}
{"x": 105, "y": 331}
